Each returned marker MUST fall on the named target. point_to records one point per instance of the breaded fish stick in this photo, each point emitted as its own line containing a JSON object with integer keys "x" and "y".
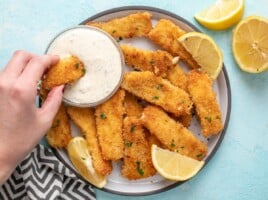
{"x": 158, "y": 91}
{"x": 158, "y": 61}
{"x": 132, "y": 107}
{"x": 109, "y": 120}
{"x": 67, "y": 70}
{"x": 134, "y": 25}
{"x": 137, "y": 152}
{"x": 84, "y": 118}
{"x": 166, "y": 34}
{"x": 59, "y": 134}
{"x": 172, "y": 134}
{"x": 206, "y": 105}
{"x": 177, "y": 77}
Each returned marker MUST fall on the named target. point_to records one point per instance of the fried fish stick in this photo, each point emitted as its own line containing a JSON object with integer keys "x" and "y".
{"x": 137, "y": 153}
{"x": 134, "y": 25}
{"x": 109, "y": 120}
{"x": 173, "y": 135}
{"x": 206, "y": 105}
{"x": 59, "y": 134}
{"x": 158, "y": 91}
{"x": 67, "y": 70}
{"x": 158, "y": 61}
{"x": 166, "y": 34}
{"x": 84, "y": 118}
{"x": 132, "y": 107}
{"x": 177, "y": 77}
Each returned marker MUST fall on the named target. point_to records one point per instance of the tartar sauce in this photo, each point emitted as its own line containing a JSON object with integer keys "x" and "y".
{"x": 102, "y": 59}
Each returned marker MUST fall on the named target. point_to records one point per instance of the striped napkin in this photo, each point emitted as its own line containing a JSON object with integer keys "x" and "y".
{"x": 42, "y": 176}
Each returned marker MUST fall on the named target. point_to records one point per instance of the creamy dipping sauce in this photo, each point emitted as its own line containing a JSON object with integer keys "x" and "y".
{"x": 102, "y": 60}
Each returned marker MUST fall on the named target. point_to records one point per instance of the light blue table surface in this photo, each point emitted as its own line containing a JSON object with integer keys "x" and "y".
{"x": 239, "y": 170}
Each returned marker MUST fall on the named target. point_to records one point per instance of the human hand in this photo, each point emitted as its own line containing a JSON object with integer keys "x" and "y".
{"x": 22, "y": 124}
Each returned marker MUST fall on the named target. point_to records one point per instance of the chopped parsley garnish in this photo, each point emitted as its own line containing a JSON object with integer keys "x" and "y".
{"x": 83, "y": 158}
{"x": 172, "y": 144}
{"x": 159, "y": 87}
{"x": 139, "y": 169}
{"x": 83, "y": 71}
{"x": 76, "y": 65}
{"x": 156, "y": 97}
{"x": 132, "y": 128}
{"x": 218, "y": 117}
{"x": 128, "y": 144}
{"x": 182, "y": 101}
{"x": 103, "y": 116}
{"x": 114, "y": 31}
{"x": 208, "y": 119}
{"x": 199, "y": 155}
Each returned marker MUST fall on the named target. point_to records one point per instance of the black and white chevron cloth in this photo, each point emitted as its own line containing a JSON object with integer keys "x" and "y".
{"x": 42, "y": 176}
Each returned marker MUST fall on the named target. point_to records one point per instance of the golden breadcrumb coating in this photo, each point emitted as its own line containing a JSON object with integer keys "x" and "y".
{"x": 158, "y": 91}
{"x": 84, "y": 118}
{"x": 166, "y": 34}
{"x": 109, "y": 120}
{"x": 158, "y": 62}
{"x": 205, "y": 102}
{"x": 59, "y": 134}
{"x": 185, "y": 119}
{"x": 173, "y": 135}
{"x": 152, "y": 139}
{"x": 177, "y": 77}
{"x": 67, "y": 70}
{"x": 133, "y": 25}
{"x": 137, "y": 161}
{"x": 132, "y": 107}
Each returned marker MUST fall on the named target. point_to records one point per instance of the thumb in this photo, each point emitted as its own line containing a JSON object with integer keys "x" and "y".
{"x": 51, "y": 105}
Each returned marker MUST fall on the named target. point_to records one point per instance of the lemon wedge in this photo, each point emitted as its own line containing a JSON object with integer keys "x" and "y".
{"x": 250, "y": 44}
{"x": 81, "y": 159}
{"x": 204, "y": 51}
{"x": 221, "y": 15}
{"x": 174, "y": 166}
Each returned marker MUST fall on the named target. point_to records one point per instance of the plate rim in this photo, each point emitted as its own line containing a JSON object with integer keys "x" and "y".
{"x": 228, "y": 88}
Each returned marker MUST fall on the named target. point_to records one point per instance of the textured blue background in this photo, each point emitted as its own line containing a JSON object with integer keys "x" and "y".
{"x": 239, "y": 170}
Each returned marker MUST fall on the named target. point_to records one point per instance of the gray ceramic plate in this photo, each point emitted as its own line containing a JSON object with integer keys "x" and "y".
{"x": 118, "y": 184}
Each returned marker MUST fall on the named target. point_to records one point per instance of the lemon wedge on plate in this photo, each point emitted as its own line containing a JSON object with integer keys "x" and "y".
{"x": 250, "y": 44}
{"x": 81, "y": 159}
{"x": 204, "y": 51}
{"x": 221, "y": 15}
{"x": 174, "y": 166}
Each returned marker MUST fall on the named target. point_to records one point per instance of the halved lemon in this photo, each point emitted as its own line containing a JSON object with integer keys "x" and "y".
{"x": 81, "y": 159}
{"x": 204, "y": 51}
{"x": 250, "y": 44}
{"x": 221, "y": 15}
{"x": 173, "y": 165}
